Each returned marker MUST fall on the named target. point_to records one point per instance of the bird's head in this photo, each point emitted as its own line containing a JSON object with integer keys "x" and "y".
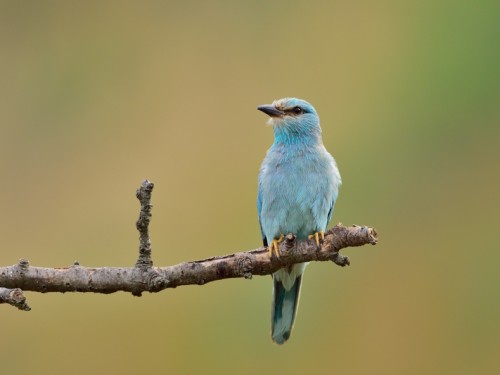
{"x": 292, "y": 119}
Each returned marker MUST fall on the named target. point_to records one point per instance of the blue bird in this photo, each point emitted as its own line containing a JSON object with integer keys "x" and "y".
{"x": 298, "y": 187}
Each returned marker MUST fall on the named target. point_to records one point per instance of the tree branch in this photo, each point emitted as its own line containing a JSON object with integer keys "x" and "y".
{"x": 146, "y": 278}
{"x": 14, "y": 297}
{"x": 144, "y": 195}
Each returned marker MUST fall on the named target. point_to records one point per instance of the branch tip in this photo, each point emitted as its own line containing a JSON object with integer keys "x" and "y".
{"x": 144, "y": 261}
{"x": 14, "y": 297}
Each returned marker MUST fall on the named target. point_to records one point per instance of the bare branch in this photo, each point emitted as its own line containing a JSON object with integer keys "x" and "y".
{"x": 14, "y": 297}
{"x": 144, "y": 195}
{"x": 244, "y": 264}
{"x": 146, "y": 278}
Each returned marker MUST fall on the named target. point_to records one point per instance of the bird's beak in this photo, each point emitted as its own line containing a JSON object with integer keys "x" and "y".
{"x": 270, "y": 110}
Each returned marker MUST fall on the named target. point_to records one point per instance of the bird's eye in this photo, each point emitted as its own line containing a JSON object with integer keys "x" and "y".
{"x": 297, "y": 110}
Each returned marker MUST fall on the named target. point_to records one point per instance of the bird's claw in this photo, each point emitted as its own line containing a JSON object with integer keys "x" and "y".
{"x": 275, "y": 246}
{"x": 317, "y": 235}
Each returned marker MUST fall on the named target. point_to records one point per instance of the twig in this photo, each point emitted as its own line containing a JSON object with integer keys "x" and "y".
{"x": 14, "y": 297}
{"x": 144, "y": 195}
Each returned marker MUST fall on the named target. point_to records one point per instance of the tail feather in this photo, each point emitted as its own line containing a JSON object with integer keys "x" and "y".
{"x": 284, "y": 309}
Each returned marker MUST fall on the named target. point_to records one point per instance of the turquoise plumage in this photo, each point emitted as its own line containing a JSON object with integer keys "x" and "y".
{"x": 298, "y": 187}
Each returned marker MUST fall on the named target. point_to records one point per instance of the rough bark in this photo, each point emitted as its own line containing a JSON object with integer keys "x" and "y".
{"x": 14, "y": 297}
{"x": 143, "y": 277}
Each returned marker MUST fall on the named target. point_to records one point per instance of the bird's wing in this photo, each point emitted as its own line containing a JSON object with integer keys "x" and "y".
{"x": 259, "y": 209}
{"x": 335, "y": 183}
{"x": 330, "y": 212}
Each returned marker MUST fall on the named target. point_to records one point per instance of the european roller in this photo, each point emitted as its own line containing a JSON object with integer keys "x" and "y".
{"x": 298, "y": 187}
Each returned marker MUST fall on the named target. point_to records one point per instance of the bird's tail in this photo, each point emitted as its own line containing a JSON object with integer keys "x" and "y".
{"x": 286, "y": 292}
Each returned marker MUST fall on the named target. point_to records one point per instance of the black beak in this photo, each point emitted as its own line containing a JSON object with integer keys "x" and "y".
{"x": 270, "y": 110}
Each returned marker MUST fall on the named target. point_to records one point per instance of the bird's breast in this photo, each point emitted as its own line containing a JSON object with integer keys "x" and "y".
{"x": 296, "y": 192}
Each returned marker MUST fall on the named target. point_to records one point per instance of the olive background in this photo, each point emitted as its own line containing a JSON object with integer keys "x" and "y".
{"x": 97, "y": 96}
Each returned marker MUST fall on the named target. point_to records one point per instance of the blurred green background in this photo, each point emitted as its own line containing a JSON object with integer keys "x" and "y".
{"x": 96, "y": 96}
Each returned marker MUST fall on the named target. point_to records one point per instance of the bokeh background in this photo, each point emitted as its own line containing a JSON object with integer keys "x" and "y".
{"x": 96, "y": 96}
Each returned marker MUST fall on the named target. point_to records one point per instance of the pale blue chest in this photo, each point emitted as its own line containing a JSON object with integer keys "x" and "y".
{"x": 297, "y": 187}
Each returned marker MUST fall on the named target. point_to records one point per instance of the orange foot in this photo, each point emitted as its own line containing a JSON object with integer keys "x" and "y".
{"x": 317, "y": 235}
{"x": 274, "y": 246}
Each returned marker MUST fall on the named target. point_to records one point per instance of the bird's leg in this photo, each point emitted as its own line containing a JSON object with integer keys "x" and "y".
{"x": 274, "y": 246}
{"x": 317, "y": 235}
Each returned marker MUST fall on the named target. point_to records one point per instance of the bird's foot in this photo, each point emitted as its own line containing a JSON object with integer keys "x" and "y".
{"x": 317, "y": 235}
{"x": 274, "y": 247}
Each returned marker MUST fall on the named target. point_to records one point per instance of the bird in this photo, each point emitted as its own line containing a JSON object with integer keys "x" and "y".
{"x": 298, "y": 186}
